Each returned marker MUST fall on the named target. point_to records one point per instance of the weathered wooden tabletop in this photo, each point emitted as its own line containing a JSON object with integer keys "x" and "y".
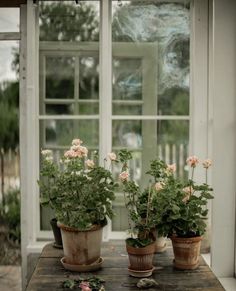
{"x": 49, "y": 273}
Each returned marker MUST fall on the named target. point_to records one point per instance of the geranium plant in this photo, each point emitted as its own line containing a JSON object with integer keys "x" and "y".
{"x": 181, "y": 207}
{"x": 139, "y": 206}
{"x": 78, "y": 189}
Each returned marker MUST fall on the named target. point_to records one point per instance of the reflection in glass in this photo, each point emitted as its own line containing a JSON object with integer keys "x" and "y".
{"x": 166, "y": 25}
{"x": 62, "y": 132}
{"x": 65, "y": 21}
{"x": 88, "y": 78}
{"x": 60, "y": 77}
{"x": 127, "y": 79}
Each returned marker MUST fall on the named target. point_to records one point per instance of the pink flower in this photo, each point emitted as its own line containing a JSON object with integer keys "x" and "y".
{"x": 207, "y": 163}
{"x": 70, "y": 154}
{"x": 112, "y": 156}
{"x": 90, "y": 163}
{"x": 158, "y": 186}
{"x": 171, "y": 168}
{"x": 85, "y": 286}
{"x": 77, "y": 142}
{"x": 124, "y": 176}
{"x": 192, "y": 161}
{"x": 79, "y": 151}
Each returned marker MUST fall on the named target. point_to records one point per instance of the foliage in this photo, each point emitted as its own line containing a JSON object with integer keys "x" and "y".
{"x": 9, "y": 125}
{"x": 181, "y": 207}
{"x": 139, "y": 206}
{"x": 87, "y": 284}
{"x": 10, "y": 214}
{"x": 78, "y": 189}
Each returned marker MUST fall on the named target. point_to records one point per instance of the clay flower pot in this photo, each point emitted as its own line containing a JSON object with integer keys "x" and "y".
{"x": 186, "y": 252}
{"x": 81, "y": 247}
{"x": 141, "y": 260}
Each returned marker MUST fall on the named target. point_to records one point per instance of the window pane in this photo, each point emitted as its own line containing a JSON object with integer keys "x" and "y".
{"x": 66, "y": 21}
{"x": 60, "y": 77}
{"x": 148, "y": 139}
{"x": 61, "y": 132}
{"x": 151, "y": 55}
{"x": 9, "y": 19}
{"x": 88, "y": 78}
{"x": 57, "y": 109}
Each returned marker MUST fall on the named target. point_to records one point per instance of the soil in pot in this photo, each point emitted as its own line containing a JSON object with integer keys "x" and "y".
{"x": 186, "y": 252}
{"x": 57, "y": 233}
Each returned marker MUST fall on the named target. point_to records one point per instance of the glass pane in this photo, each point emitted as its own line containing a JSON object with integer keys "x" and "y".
{"x": 57, "y": 109}
{"x": 9, "y": 19}
{"x": 166, "y": 139}
{"x": 88, "y": 108}
{"x": 127, "y": 79}
{"x": 60, "y": 77}
{"x": 66, "y": 21}
{"x": 123, "y": 109}
{"x": 88, "y": 78}
{"x": 62, "y": 132}
{"x": 156, "y": 34}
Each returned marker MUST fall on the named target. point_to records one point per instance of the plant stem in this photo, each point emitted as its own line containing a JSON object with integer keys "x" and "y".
{"x": 148, "y": 203}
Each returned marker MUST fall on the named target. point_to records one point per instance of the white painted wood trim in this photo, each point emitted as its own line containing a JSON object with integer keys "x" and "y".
{"x": 105, "y": 87}
{"x": 223, "y": 103}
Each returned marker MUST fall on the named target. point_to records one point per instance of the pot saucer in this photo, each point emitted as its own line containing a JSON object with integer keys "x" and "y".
{"x": 82, "y": 268}
{"x": 141, "y": 274}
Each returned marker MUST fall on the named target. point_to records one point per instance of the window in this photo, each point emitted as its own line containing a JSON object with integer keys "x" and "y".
{"x": 143, "y": 102}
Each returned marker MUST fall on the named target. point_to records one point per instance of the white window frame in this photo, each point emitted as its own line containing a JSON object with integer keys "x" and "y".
{"x": 30, "y": 153}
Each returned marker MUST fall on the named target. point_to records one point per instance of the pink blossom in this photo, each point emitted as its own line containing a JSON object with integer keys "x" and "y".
{"x": 112, "y": 156}
{"x": 85, "y": 286}
{"x": 192, "y": 161}
{"x": 124, "y": 176}
{"x": 70, "y": 154}
{"x": 84, "y": 151}
{"x": 77, "y": 142}
{"x": 207, "y": 163}
{"x": 90, "y": 163}
{"x": 171, "y": 168}
{"x": 158, "y": 186}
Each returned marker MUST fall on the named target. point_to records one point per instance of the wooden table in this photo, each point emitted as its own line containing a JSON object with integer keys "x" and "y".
{"x": 49, "y": 273}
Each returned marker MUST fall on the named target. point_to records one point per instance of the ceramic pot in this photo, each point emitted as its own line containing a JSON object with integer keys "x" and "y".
{"x": 141, "y": 260}
{"x": 57, "y": 233}
{"x": 160, "y": 246}
{"x": 186, "y": 252}
{"x": 81, "y": 247}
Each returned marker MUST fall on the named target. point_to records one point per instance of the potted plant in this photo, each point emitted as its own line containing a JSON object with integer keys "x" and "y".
{"x": 80, "y": 191}
{"x": 182, "y": 211}
{"x": 141, "y": 243}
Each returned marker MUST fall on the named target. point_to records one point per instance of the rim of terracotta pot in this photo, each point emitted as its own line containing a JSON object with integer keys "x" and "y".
{"x": 186, "y": 239}
{"x": 149, "y": 249}
{"x": 73, "y": 229}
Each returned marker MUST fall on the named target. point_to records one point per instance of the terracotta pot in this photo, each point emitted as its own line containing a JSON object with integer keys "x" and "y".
{"x": 57, "y": 233}
{"x": 81, "y": 247}
{"x": 141, "y": 258}
{"x": 186, "y": 252}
